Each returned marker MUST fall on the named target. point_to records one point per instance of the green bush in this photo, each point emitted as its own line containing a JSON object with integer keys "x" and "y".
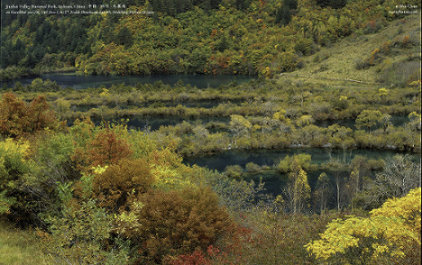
{"x": 252, "y": 168}
{"x": 288, "y": 61}
{"x": 83, "y": 235}
{"x": 234, "y": 171}
{"x": 19, "y": 199}
{"x": 400, "y": 73}
{"x": 304, "y": 47}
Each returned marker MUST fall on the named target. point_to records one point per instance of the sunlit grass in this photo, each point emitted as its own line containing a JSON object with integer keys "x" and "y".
{"x": 336, "y": 64}
{"x": 20, "y": 247}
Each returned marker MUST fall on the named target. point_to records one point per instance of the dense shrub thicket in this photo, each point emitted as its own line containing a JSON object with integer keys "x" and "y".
{"x": 268, "y": 115}
{"x": 18, "y": 118}
{"x": 108, "y": 195}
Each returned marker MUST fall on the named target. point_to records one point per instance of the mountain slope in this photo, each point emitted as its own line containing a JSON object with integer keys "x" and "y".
{"x": 398, "y": 54}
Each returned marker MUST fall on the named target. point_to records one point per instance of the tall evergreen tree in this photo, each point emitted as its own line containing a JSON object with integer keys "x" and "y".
{"x": 284, "y": 13}
{"x": 332, "y": 3}
{"x": 124, "y": 37}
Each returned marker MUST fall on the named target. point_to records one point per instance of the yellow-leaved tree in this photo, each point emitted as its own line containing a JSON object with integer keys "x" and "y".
{"x": 12, "y": 167}
{"x": 391, "y": 234}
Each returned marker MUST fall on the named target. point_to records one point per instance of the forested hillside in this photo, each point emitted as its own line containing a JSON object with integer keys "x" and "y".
{"x": 208, "y": 37}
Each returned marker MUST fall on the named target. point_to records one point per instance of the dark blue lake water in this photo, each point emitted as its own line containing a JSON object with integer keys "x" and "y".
{"x": 81, "y": 82}
{"x": 272, "y": 157}
{"x": 154, "y": 122}
{"x": 275, "y": 181}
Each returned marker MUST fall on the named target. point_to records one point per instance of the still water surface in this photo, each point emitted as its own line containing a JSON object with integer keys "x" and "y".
{"x": 81, "y": 82}
{"x": 271, "y": 157}
{"x": 275, "y": 181}
{"x": 153, "y": 123}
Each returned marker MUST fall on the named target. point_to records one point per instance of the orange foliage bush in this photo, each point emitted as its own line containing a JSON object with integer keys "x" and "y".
{"x": 178, "y": 222}
{"x": 231, "y": 252}
{"x": 113, "y": 188}
{"x": 196, "y": 258}
{"x": 105, "y": 149}
{"x": 39, "y": 115}
{"x": 406, "y": 41}
{"x": 18, "y": 119}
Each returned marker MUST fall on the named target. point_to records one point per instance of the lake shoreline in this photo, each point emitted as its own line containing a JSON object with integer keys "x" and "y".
{"x": 74, "y": 80}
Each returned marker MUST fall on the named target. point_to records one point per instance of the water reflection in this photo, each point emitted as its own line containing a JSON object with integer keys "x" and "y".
{"x": 74, "y": 81}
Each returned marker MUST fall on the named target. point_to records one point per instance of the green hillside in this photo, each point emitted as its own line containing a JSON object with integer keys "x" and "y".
{"x": 397, "y": 61}
{"x": 261, "y": 38}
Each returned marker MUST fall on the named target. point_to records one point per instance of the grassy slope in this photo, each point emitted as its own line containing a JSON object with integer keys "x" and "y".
{"x": 19, "y": 247}
{"x": 342, "y": 56}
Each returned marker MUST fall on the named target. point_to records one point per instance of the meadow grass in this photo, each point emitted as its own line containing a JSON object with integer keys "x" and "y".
{"x": 336, "y": 65}
{"x": 20, "y": 247}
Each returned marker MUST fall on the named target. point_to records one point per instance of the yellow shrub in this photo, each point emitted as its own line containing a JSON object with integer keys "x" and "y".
{"x": 388, "y": 232}
{"x": 18, "y": 147}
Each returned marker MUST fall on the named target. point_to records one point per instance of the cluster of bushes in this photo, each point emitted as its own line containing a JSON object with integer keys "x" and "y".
{"x": 244, "y": 99}
{"x": 196, "y": 139}
{"x": 106, "y": 182}
{"x": 18, "y": 118}
{"x": 112, "y": 196}
{"x": 14, "y": 72}
{"x": 261, "y": 117}
{"x": 37, "y": 85}
{"x": 379, "y": 54}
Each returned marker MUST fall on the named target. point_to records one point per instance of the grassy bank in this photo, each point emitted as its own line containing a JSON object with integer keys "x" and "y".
{"x": 20, "y": 247}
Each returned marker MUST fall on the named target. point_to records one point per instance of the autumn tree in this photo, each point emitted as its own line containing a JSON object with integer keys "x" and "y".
{"x": 368, "y": 119}
{"x": 353, "y": 184}
{"x": 176, "y": 222}
{"x": 19, "y": 119}
{"x": 106, "y": 148}
{"x": 12, "y": 111}
{"x": 39, "y": 115}
{"x": 239, "y": 125}
{"x": 322, "y": 191}
{"x": 120, "y": 182}
{"x": 390, "y": 233}
{"x": 298, "y": 190}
